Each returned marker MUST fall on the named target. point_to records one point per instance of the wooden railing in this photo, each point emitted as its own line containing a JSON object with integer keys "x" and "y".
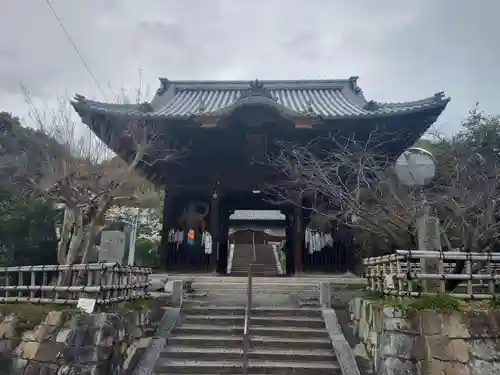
{"x": 402, "y": 273}
{"x": 65, "y": 284}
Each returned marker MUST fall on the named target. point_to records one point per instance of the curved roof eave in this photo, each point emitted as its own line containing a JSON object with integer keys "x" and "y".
{"x": 251, "y": 101}
{"x": 436, "y": 98}
{"x": 385, "y": 112}
{"x": 381, "y": 110}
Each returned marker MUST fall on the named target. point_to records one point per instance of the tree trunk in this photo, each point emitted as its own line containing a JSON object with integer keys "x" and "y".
{"x": 67, "y": 234}
{"x": 77, "y": 239}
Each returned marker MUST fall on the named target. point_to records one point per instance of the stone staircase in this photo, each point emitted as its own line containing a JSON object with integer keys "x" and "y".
{"x": 264, "y": 261}
{"x": 209, "y": 340}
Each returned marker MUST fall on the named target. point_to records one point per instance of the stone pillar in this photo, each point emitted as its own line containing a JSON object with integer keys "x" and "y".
{"x": 429, "y": 238}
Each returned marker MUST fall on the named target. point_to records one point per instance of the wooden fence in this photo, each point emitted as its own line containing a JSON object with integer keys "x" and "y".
{"x": 65, "y": 284}
{"x": 403, "y": 273}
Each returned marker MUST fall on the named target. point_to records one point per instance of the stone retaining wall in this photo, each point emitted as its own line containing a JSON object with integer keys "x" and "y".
{"x": 97, "y": 344}
{"x": 427, "y": 342}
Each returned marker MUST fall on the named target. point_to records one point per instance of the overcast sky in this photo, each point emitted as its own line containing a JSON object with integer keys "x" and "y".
{"x": 401, "y": 50}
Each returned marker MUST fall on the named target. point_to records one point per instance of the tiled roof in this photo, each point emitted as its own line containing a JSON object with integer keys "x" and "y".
{"x": 252, "y": 215}
{"x": 324, "y": 98}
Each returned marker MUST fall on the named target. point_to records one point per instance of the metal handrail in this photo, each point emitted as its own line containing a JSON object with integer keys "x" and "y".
{"x": 246, "y": 328}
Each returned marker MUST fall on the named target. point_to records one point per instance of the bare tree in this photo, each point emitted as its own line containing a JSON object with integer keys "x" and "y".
{"x": 467, "y": 202}
{"x": 350, "y": 182}
{"x": 82, "y": 177}
{"x": 359, "y": 188}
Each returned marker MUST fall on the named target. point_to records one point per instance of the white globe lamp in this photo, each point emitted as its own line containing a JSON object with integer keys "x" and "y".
{"x": 415, "y": 167}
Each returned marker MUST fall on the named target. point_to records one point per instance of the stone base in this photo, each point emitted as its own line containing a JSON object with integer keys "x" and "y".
{"x": 427, "y": 342}
{"x": 98, "y": 344}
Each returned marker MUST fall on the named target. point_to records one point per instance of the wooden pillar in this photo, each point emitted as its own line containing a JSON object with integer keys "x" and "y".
{"x": 298, "y": 235}
{"x": 289, "y": 245}
{"x": 215, "y": 227}
{"x": 223, "y": 245}
{"x": 168, "y": 221}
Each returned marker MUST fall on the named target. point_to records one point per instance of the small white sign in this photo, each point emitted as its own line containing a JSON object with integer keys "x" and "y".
{"x": 86, "y": 304}
{"x": 389, "y": 282}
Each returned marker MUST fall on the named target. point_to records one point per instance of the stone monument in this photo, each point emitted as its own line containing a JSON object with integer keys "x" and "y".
{"x": 112, "y": 247}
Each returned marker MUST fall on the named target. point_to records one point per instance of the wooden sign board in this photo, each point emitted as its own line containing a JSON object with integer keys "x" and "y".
{"x": 208, "y": 122}
{"x": 303, "y": 123}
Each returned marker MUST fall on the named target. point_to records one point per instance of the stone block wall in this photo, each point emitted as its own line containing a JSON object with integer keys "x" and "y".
{"x": 97, "y": 344}
{"x": 428, "y": 342}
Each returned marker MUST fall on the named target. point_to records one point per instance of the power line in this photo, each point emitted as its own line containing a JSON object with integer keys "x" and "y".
{"x": 87, "y": 67}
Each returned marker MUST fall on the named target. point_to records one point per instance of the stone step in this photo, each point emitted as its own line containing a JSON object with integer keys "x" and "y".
{"x": 260, "y": 273}
{"x": 291, "y": 343}
{"x": 256, "y": 311}
{"x": 256, "y": 272}
{"x": 205, "y": 341}
{"x": 207, "y": 330}
{"x": 283, "y": 292}
{"x": 168, "y": 366}
{"x": 207, "y": 353}
{"x": 256, "y": 321}
{"x": 245, "y": 267}
{"x": 309, "y": 279}
{"x": 255, "y": 286}
{"x": 264, "y": 342}
{"x": 291, "y": 322}
{"x": 212, "y": 330}
{"x": 243, "y": 263}
{"x": 269, "y": 291}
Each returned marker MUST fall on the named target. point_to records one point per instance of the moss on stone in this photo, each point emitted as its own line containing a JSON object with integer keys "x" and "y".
{"x": 439, "y": 302}
{"x": 131, "y": 306}
{"x": 29, "y": 315}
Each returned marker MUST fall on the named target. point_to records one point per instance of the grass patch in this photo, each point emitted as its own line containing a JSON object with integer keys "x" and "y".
{"x": 141, "y": 304}
{"x": 29, "y": 315}
{"x": 439, "y": 302}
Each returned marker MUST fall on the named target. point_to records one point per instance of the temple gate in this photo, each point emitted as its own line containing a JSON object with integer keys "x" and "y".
{"x": 230, "y": 128}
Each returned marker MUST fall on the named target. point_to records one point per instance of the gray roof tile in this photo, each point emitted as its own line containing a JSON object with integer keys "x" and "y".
{"x": 326, "y": 98}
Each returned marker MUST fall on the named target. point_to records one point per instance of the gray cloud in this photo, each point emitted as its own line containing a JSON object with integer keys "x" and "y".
{"x": 401, "y": 50}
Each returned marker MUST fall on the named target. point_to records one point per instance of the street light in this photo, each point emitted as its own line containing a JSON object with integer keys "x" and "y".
{"x": 415, "y": 167}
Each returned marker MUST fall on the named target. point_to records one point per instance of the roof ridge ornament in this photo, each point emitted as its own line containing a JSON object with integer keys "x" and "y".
{"x": 439, "y": 95}
{"x": 256, "y": 88}
{"x": 354, "y": 85}
{"x": 372, "y": 105}
{"x": 309, "y": 109}
{"x": 145, "y": 107}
